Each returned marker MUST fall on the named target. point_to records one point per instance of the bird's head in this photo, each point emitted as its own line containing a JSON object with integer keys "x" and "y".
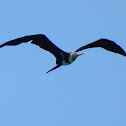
{"x": 75, "y": 55}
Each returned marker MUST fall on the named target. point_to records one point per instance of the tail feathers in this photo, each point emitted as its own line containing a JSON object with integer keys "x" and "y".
{"x": 54, "y": 68}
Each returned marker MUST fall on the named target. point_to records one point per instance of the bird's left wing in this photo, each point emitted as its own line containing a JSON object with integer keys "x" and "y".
{"x": 106, "y": 44}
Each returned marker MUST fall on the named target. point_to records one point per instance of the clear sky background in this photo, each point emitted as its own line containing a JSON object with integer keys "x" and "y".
{"x": 89, "y": 92}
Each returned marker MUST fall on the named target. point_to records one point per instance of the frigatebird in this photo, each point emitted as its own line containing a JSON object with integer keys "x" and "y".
{"x": 62, "y": 57}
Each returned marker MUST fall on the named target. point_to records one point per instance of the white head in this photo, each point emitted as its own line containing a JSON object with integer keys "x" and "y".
{"x": 74, "y": 55}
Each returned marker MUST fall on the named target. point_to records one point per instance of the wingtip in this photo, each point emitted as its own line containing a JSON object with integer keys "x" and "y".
{"x": 1, "y": 46}
{"x": 124, "y": 54}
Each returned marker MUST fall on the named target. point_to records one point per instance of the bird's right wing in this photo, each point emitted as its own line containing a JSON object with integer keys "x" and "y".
{"x": 106, "y": 44}
{"x": 40, "y": 40}
{"x": 43, "y": 42}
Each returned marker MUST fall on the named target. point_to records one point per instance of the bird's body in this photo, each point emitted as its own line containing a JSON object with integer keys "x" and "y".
{"x": 70, "y": 58}
{"x": 62, "y": 57}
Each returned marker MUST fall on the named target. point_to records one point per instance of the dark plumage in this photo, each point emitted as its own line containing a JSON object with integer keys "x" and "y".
{"x": 62, "y": 57}
{"x": 106, "y": 44}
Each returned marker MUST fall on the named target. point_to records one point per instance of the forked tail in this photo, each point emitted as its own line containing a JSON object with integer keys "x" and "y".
{"x": 54, "y": 68}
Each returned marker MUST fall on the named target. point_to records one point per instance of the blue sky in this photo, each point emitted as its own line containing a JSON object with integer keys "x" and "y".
{"x": 90, "y": 91}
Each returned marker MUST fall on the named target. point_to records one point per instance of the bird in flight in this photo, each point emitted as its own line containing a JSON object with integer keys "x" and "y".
{"x": 62, "y": 57}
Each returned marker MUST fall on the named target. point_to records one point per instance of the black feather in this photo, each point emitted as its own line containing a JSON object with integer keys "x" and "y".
{"x": 106, "y": 44}
{"x": 39, "y": 40}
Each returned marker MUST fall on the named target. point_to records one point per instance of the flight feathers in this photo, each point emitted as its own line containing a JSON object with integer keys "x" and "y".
{"x": 106, "y": 44}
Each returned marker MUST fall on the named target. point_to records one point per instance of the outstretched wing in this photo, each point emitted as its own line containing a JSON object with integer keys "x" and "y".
{"x": 40, "y": 40}
{"x": 106, "y": 44}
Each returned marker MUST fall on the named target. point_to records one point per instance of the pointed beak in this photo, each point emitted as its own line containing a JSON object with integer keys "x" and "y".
{"x": 80, "y": 54}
